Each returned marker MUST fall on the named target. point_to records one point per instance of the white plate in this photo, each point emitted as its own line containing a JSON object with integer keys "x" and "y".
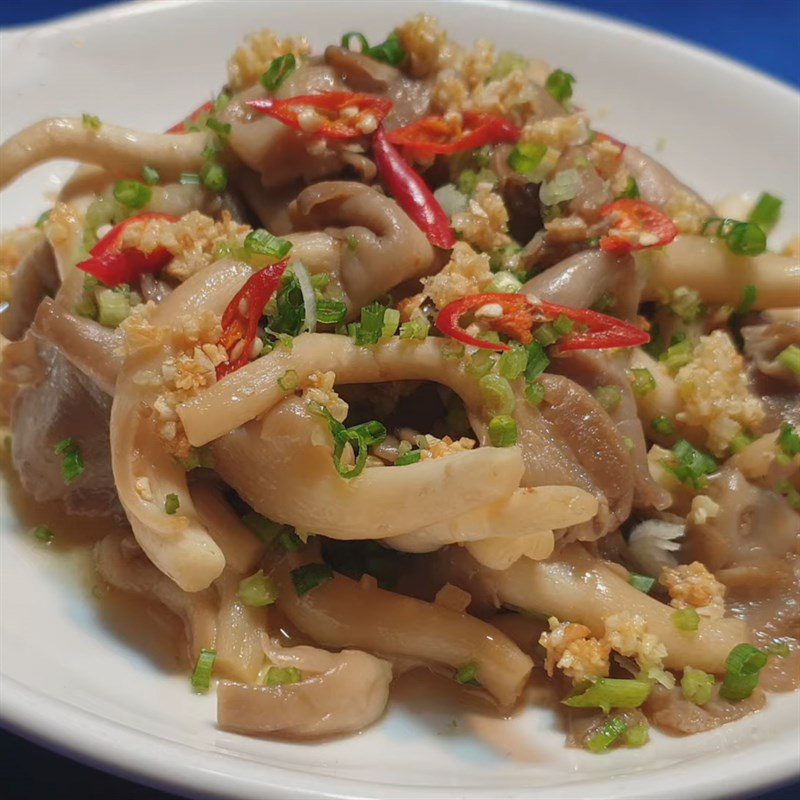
{"x": 70, "y": 682}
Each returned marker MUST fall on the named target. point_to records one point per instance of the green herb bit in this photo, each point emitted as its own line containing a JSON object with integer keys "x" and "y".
{"x": 411, "y": 457}
{"x": 151, "y": 176}
{"x": 766, "y": 212}
{"x": 513, "y": 363}
{"x": 534, "y": 393}
{"x": 310, "y": 576}
{"x": 779, "y": 649}
{"x": 663, "y": 425}
{"x": 42, "y": 218}
{"x": 215, "y": 178}
{"x": 190, "y": 179}
{"x": 220, "y": 128}
{"x": 497, "y": 394}
{"x": 749, "y": 297}
{"x": 637, "y": 736}
{"x": 71, "y": 459}
{"x": 198, "y": 457}
{"x": 631, "y": 190}
{"x": 559, "y": 85}
{"x": 43, "y": 534}
{"x": 416, "y": 328}
{"x": 290, "y": 541}
{"x": 606, "y": 736}
{"x": 391, "y": 321}
{"x": 644, "y": 583}
{"x": 742, "y": 670}
{"x": 480, "y": 363}
{"x": 608, "y": 693}
{"x": 563, "y": 325}
{"x": 263, "y": 243}
{"x": 697, "y": 686}
{"x": 113, "y": 306}
{"x": 289, "y": 381}
{"x": 791, "y": 494}
{"x": 690, "y": 466}
{"x": 257, "y": 590}
{"x": 201, "y": 677}
{"x": 686, "y": 304}
{"x": 677, "y": 355}
{"x": 789, "y": 440}
{"x": 686, "y": 620}
{"x": 264, "y": 529}
{"x": 740, "y": 441}
{"x": 280, "y": 676}
{"x": 468, "y": 675}
{"x": 91, "y": 122}
{"x": 172, "y": 504}
{"x": 503, "y": 431}
{"x": 526, "y": 157}
{"x": 643, "y": 381}
{"x": 606, "y": 301}
{"x": 537, "y": 361}
{"x": 506, "y": 63}
{"x": 609, "y": 397}
{"x": 132, "y": 194}
{"x": 790, "y": 358}
{"x": 331, "y": 312}
{"x": 505, "y": 282}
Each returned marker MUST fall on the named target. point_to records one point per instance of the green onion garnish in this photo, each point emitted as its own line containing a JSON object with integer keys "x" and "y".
{"x": 780, "y": 649}
{"x": 608, "y": 693}
{"x": 389, "y": 52}
{"x": 42, "y": 218}
{"x": 468, "y": 675}
{"x": 526, "y": 157}
{"x": 789, "y": 492}
{"x": 43, "y": 534}
{"x": 691, "y": 465}
{"x": 534, "y": 393}
{"x": 503, "y": 431}
{"x": 677, "y": 355}
{"x": 789, "y": 440}
{"x": 289, "y": 381}
{"x": 172, "y": 503}
{"x": 257, "y": 590}
{"x": 201, "y": 677}
{"x": 631, "y": 190}
{"x": 360, "y": 438}
{"x": 749, "y": 297}
{"x": 742, "y": 238}
{"x": 416, "y": 328}
{"x": 513, "y": 363}
{"x": 189, "y": 179}
{"x": 790, "y": 358}
{"x": 220, "y": 128}
{"x": 481, "y": 363}
{"x": 91, "y": 122}
{"x": 766, "y": 212}
{"x": 742, "y": 669}
{"x": 696, "y": 685}
{"x": 559, "y": 84}
{"x": 279, "y": 676}
{"x": 609, "y": 397}
{"x": 265, "y": 529}
{"x": 331, "y": 312}
{"x": 71, "y": 459}
{"x": 663, "y": 425}
{"x": 263, "y": 243}
{"x": 310, "y": 576}
{"x": 644, "y": 583}
{"x": 537, "y": 361}
{"x": 113, "y": 306}
{"x": 411, "y": 457}
{"x": 132, "y": 194}
{"x": 563, "y": 325}
{"x": 686, "y": 619}
{"x": 497, "y": 394}
{"x": 279, "y": 70}
{"x": 150, "y": 175}
{"x": 643, "y": 381}
{"x": 686, "y": 304}
{"x": 606, "y": 736}
{"x": 215, "y": 177}
{"x": 740, "y": 441}
{"x": 637, "y": 736}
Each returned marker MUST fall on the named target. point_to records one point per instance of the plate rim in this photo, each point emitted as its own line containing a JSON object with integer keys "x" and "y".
{"x": 111, "y": 746}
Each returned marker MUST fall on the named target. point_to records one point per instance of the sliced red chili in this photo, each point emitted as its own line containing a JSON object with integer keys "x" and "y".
{"x": 411, "y": 192}
{"x": 335, "y": 115}
{"x": 241, "y": 317}
{"x": 636, "y": 225}
{"x": 111, "y": 265}
{"x": 435, "y": 134}
{"x": 520, "y": 314}
{"x": 206, "y": 108}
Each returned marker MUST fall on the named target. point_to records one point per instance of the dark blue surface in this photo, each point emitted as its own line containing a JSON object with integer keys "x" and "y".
{"x": 762, "y": 33}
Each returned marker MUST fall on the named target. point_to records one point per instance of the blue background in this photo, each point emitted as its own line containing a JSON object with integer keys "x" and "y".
{"x": 762, "y": 33}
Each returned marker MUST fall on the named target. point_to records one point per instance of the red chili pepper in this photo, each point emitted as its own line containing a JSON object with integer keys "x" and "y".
{"x": 346, "y": 114}
{"x": 636, "y": 226}
{"x": 241, "y": 317}
{"x": 411, "y": 192}
{"x": 520, "y": 314}
{"x": 112, "y": 266}
{"x": 435, "y": 134}
{"x": 206, "y": 108}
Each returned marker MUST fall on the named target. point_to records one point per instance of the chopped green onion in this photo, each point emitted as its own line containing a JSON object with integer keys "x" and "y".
{"x": 740, "y": 441}
{"x": 503, "y": 431}
{"x": 279, "y": 70}
{"x": 749, "y": 297}
{"x": 280, "y": 676}
{"x": 677, "y": 355}
{"x": 697, "y": 686}
{"x": 545, "y": 335}
{"x": 789, "y": 440}
{"x": 780, "y": 649}
{"x": 468, "y": 675}
{"x": 171, "y": 503}
{"x": 689, "y": 465}
{"x": 606, "y": 736}
{"x": 559, "y": 85}
{"x": 391, "y": 320}
{"x": 263, "y": 243}
{"x": 537, "y": 361}
{"x": 608, "y": 693}
{"x": 644, "y": 583}
{"x": 686, "y": 619}
{"x": 513, "y": 363}
{"x": 686, "y": 304}
{"x": 201, "y": 677}
{"x": 747, "y": 239}
{"x": 310, "y": 576}
{"x": 606, "y": 301}
{"x": 43, "y": 534}
{"x": 563, "y": 325}
{"x": 331, "y": 312}
{"x": 411, "y": 457}
{"x": 742, "y": 669}
{"x": 198, "y": 457}
{"x": 506, "y": 63}
{"x": 360, "y": 437}
{"x": 481, "y": 363}
{"x": 467, "y": 182}
{"x": 643, "y": 381}
{"x": 789, "y": 492}
{"x": 289, "y": 381}
{"x": 631, "y": 190}
{"x": 220, "y": 128}
{"x": 637, "y": 736}
{"x": 71, "y": 459}
{"x": 42, "y": 218}
{"x": 215, "y": 178}
{"x": 265, "y": 529}
{"x": 257, "y": 590}
{"x": 526, "y": 157}
{"x": 609, "y": 397}
{"x": 497, "y": 394}
{"x": 113, "y": 307}
{"x": 505, "y": 282}
{"x": 290, "y": 541}
{"x": 189, "y": 179}
{"x": 534, "y": 393}
{"x": 790, "y": 358}
{"x": 91, "y": 122}
{"x": 132, "y": 194}
{"x": 416, "y": 328}
{"x": 389, "y": 52}
{"x": 663, "y": 425}
{"x": 766, "y": 212}
{"x": 150, "y": 175}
